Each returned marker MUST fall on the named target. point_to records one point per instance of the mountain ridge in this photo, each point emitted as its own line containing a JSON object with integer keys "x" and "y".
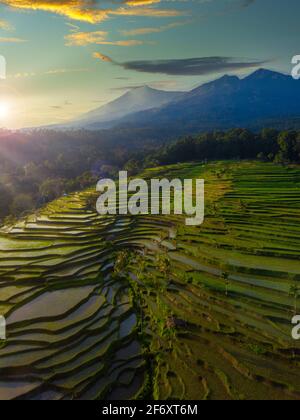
{"x": 263, "y": 97}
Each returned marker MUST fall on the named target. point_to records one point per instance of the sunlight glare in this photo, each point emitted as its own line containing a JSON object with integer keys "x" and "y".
{"x": 4, "y": 110}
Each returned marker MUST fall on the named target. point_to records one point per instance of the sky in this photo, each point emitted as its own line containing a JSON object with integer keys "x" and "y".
{"x": 67, "y": 57}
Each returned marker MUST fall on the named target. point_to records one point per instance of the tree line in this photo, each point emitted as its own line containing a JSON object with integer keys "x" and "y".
{"x": 38, "y": 167}
{"x": 270, "y": 145}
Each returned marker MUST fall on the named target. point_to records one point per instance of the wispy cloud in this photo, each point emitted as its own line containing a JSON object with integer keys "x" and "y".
{"x": 12, "y": 40}
{"x": 61, "y": 106}
{"x": 161, "y": 84}
{"x": 51, "y": 72}
{"x": 73, "y": 27}
{"x": 23, "y": 75}
{"x": 185, "y": 67}
{"x": 5, "y": 26}
{"x": 148, "y": 11}
{"x": 63, "y": 71}
{"x": 122, "y": 78}
{"x": 98, "y": 38}
{"x": 152, "y": 30}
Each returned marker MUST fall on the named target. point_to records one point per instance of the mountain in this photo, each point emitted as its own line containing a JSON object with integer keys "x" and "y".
{"x": 136, "y": 100}
{"x": 263, "y": 98}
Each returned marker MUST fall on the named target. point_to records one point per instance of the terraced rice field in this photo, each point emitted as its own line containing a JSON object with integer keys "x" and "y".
{"x": 144, "y": 307}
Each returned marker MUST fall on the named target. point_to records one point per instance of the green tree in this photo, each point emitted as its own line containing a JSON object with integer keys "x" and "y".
{"x": 132, "y": 167}
{"x": 5, "y": 200}
{"x": 287, "y": 141}
{"x": 22, "y": 203}
{"x": 52, "y": 189}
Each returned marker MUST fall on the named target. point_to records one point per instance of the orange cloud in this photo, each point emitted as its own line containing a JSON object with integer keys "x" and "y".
{"x": 150, "y": 30}
{"x": 88, "y": 11}
{"x": 97, "y": 37}
{"x": 102, "y": 57}
{"x": 81, "y": 10}
{"x": 85, "y": 38}
{"x": 147, "y": 11}
{"x": 134, "y": 3}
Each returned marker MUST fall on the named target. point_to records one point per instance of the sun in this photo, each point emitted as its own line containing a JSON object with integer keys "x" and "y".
{"x": 4, "y": 110}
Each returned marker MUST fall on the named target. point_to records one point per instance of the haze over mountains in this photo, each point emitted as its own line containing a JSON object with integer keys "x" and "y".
{"x": 136, "y": 100}
{"x": 264, "y": 98}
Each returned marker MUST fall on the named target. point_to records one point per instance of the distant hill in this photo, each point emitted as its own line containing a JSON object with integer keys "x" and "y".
{"x": 263, "y": 98}
{"x": 136, "y": 100}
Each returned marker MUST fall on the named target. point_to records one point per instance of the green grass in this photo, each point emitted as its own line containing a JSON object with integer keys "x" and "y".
{"x": 89, "y": 299}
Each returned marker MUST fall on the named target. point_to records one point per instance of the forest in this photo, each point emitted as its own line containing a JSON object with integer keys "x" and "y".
{"x": 40, "y": 166}
{"x": 269, "y": 145}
